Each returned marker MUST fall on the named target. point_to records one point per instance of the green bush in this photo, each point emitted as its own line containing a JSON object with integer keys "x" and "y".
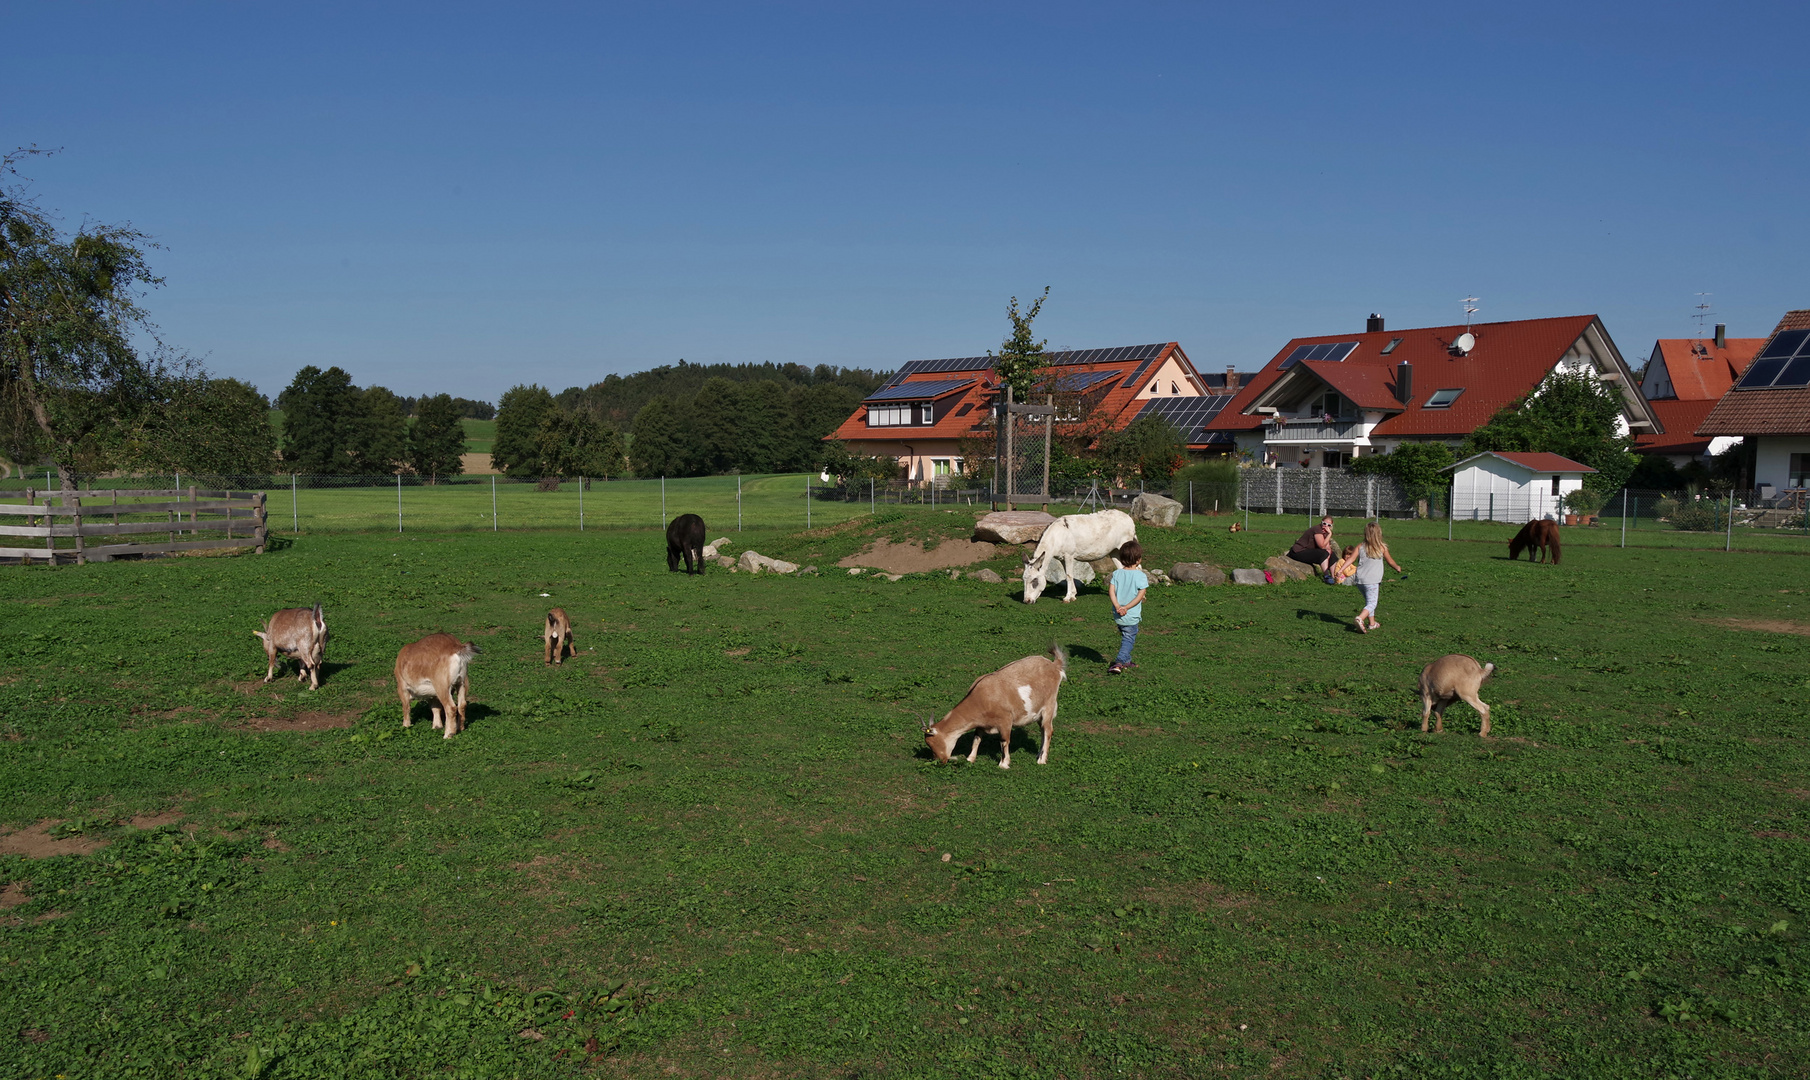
{"x": 1584, "y": 501}
{"x": 1699, "y": 515}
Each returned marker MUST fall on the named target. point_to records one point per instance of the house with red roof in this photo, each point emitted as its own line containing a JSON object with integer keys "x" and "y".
{"x": 1514, "y": 487}
{"x": 1323, "y": 400}
{"x": 924, "y": 412}
{"x": 1684, "y": 379}
{"x": 1769, "y": 406}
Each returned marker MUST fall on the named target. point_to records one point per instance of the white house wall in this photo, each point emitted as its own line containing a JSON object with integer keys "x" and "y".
{"x": 1772, "y": 458}
{"x": 1170, "y": 374}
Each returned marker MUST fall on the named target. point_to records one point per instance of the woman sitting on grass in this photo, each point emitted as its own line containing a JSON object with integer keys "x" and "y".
{"x": 1369, "y": 557}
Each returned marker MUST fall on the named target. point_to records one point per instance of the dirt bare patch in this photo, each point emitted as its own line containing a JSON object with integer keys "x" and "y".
{"x": 1197, "y": 896}
{"x": 308, "y": 721}
{"x": 12, "y": 895}
{"x": 35, "y": 842}
{"x": 1766, "y": 626}
{"x": 911, "y": 558}
{"x": 156, "y": 821}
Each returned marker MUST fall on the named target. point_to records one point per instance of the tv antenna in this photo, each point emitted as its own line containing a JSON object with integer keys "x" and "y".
{"x": 1470, "y": 308}
{"x": 1703, "y": 311}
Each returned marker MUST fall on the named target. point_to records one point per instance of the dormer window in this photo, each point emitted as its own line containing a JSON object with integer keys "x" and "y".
{"x": 916, "y": 413}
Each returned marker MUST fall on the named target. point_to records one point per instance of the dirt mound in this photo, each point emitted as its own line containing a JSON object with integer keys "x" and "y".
{"x": 911, "y": 558}
{"x": 1770, "y": 626}
{"x": 35, "y": 842}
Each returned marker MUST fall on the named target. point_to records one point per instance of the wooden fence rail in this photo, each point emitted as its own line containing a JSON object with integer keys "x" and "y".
{"x": 109, "y": 513}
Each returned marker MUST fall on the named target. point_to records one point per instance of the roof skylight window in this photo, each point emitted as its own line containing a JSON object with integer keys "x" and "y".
{"x": 1442, "y": 399}
{"x": 1389, "y": 348}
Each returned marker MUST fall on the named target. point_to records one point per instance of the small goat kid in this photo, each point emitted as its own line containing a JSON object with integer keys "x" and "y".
{"x": 299, "y": 632}
{"x": 1452, "y": 678}
{"x": 435, "y": 668}
{"x": 558, "y": 636}
{"x": 1017, "y": 695}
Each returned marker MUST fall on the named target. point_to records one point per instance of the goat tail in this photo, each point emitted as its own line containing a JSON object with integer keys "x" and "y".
{"x": 1488, "y": 670}
{"x": 1060, "y": 656}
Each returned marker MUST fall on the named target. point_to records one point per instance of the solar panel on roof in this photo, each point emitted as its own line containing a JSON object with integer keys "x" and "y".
{"x": 1786, "y": 344}
{"x": 1761, "y": 374}
{"x": 1083, "y": 380}
{"x": 922, "y": 389}
{"x": 1796, "y": 373}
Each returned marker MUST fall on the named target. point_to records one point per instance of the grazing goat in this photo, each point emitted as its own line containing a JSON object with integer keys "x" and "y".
{"x": 435, "y": 668}
{"x": 1542, "y": 536}
{"x": 299, "y": 632}
{"x": 1017, "y": 695}
{"x": 685, "y": 537}
{"x": 1073, "y": 539}
{"x": 1448, "y": 679}
{"x": 558, "y": 636}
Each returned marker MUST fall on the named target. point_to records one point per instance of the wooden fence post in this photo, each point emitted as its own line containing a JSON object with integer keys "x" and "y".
{"x": 75, "y": 507}
{"x": 262, "y": 529}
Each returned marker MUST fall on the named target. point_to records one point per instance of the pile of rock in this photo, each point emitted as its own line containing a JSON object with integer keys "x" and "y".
{"x": 754, "y": 562}
{"x": 1152, "y": 509}
{"x": 1012, "y": 527}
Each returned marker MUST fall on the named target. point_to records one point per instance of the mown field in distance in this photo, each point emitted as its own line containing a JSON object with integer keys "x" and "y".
{"x": 711, "y": 843}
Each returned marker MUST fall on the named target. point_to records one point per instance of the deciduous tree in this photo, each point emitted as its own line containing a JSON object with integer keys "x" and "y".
{"x": 437, "y": 439}
{"x": 519, "y": 417}
{"x": 1571, "y": 414}
{"x": 320, "y": 412}
{"x": 1020, "y": 361}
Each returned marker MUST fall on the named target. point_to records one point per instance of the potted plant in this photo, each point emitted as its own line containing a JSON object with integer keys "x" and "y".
{"x": 1583, "y": 505}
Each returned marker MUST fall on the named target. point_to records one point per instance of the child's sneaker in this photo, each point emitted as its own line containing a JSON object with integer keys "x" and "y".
{"x": 1128, "y": 665}
{"x": 1114, "y": 669}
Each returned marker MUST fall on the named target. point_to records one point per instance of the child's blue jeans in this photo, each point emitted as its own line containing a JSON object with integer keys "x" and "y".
{"x": 1128, "y": 636}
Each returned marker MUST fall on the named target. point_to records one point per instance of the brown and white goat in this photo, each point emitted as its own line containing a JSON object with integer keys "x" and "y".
{"x": 299, "y": 632}
{"x": 1017, "y": 695}
{"x": 1448, "y": 679}
{"x": 435, "y": 668}
{"x": 558, "y": 636}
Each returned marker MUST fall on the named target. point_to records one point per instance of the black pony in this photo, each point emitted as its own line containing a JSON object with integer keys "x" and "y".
{"x": 1542, "y": 536}
{"x": 685, "y": 537}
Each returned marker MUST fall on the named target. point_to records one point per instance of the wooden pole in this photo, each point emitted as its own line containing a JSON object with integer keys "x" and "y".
{"x": 1049, "y": 429}
{"x": 1008, "y": 420}
{"x": 262, "y": 530}
{"x": 81, "y": 550}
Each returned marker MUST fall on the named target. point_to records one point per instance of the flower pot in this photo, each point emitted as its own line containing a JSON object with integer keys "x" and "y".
{"x": 1571, "y": 519}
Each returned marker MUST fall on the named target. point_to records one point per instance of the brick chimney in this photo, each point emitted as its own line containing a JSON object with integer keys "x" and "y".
{"x": 1374, "y": 324}
{"x": 1721, "y": 335}
{"x": 1231, "y": 379}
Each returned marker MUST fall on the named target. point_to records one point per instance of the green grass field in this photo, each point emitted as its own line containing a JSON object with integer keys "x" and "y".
{"x": 711, "y": 844}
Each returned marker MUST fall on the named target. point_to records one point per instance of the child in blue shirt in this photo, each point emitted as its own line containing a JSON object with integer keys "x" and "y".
{"x": 1126, "y": 591}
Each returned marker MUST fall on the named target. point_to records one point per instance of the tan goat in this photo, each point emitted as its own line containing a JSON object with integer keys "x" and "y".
{"x": 1017, "y": 695}
{"x": 299, "y": 632}
{"x": 558, "y": 636}
{"x": 1448, "y": 679}
{"x": 435, "y": 668}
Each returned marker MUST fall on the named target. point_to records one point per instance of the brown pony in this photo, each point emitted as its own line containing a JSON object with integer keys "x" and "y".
{"x": 1541, "y": 536}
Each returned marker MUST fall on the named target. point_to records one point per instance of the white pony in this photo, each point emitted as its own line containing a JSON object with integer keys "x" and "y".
{"x": 1076, "y": 538}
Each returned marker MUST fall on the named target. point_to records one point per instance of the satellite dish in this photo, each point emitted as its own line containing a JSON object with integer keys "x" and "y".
{"x": 1465, "y": 343}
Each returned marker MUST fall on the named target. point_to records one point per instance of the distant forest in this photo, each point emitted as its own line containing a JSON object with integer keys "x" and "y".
{"x": 618, "y": 399}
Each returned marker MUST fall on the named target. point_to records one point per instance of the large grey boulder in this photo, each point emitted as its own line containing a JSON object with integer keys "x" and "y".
{"x": 724, "y": 560}
{"x": 1105, "y": 567}
{"x": 1284, "y": 567}
{"x": 1197, "y": 573}
{"x": 1157, "y": 577}
{"x": 1012, "y": 526}
{"x": 985, "y": 575}
{"x": 1151, "y": 509}
{"x": 754, "y": 562}
{"x": 715, "y": 547}
{"x": 1249, "y": 577}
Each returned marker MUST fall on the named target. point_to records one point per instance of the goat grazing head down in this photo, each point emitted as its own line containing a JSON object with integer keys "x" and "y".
{"x": 299, "y": 632}
{"x": 1023, "y": 692}
{"x": 437, "y": 668}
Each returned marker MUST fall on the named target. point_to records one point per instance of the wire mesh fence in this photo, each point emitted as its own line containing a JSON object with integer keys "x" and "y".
{"x": 313, "y": 504}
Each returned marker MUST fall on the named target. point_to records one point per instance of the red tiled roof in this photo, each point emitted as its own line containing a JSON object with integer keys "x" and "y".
{"x": 1764, "y": 412}
{"x": 1539, "y": 462}
{"x": 1365, "y": 385}
{"x": 1706, "y": 375}
{"x": 1680, "y": 420}
{"x": 1119, "y": 400}
{"x": 1509, "y": 360}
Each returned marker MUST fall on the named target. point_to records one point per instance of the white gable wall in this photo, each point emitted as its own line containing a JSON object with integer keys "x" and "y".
{"x": 1170, "y": 380}
{"x": 1491, "y": 489}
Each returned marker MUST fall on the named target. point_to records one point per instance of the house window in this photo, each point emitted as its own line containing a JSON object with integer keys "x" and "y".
{"x": 939, "y": 466}
{"x": 1174, "y": 389}
{"x": 1555, "y": 485}
{"x": 1153, "y": 387}
{"x": 1800, "y": 471}
{"x": 899, "y": 415}
{"x": 1442, "y": 399}
{"x": 1389, "y": 348}
{"x": 1333, "y": 459}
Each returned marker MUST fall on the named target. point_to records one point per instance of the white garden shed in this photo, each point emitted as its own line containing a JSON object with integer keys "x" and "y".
{"x": 1494, "y": 486}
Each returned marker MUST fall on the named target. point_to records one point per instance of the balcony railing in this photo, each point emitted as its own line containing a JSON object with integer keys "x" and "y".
{"x": 1294, "y": 431}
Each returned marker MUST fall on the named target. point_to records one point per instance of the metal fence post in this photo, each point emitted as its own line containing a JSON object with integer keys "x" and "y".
{"x": 1624, "y": 517}
{"x": 1730, "y": 545}
{"x": 738, "y": 502}
{"x": 1190, "y": 502}
{"x": 807, "y": 500}
{"x": 399, "y": 502}
{"x": 581, "y": 504}
{"x": 493, "y": 502}
{"x": 663, "y": 502}
{"x": 872, "y": 506}
{"x": 1278, "y": 469}
{"x": 294, "y": 514}
{"x": 1492, "y": 506}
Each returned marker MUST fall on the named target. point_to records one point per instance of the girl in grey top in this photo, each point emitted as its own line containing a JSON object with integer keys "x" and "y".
{"x": 1370, "y": 557}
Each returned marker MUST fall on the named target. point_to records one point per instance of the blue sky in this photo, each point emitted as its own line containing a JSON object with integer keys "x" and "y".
{"x": 460, "y": 198}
